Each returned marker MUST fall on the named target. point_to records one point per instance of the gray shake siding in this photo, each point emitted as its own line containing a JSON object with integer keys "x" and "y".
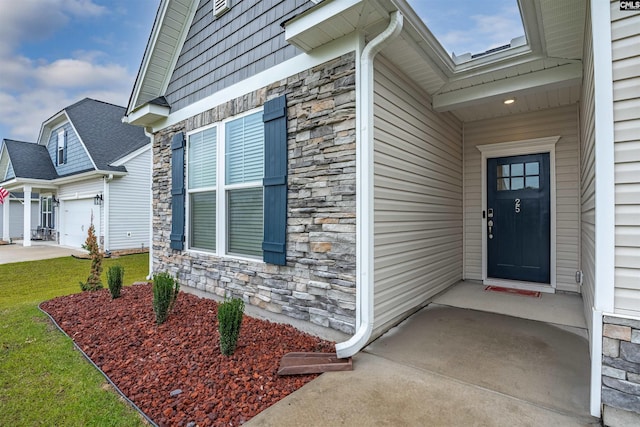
{"x": 318, "y": 282}
{"x": 77, "y": 158}
{"x": 219, "y": 52}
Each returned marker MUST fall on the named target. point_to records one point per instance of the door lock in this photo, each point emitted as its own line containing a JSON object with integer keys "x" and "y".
{"x": 490, "y": 223}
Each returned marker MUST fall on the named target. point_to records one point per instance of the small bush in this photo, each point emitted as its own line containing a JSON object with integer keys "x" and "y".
{"x": 93, "y": 282}
{"x": 115, "y": 276}
{"x": 229, "y": 322}
{"x": 165, "y": 293}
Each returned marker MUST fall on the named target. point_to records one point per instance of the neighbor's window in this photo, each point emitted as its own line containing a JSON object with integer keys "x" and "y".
{"x": 61, "y": 145}
{"x": 47, "y": 212}
{"x": 225, "y": 167}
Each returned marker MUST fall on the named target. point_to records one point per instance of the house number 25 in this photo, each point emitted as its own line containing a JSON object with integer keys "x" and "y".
{"x": 517, "y": 205}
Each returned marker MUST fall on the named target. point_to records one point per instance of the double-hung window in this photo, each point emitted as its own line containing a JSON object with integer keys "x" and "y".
{"x": 47, "y": 212}
{"x": 202, "y": 170}
{"x": 61, "y": 147}
{"x": 225, "y": 167}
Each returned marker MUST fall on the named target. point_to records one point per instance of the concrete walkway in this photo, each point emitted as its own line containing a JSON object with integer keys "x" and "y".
{"x": 38, "y": 250}
{"x": 448, "y": 366}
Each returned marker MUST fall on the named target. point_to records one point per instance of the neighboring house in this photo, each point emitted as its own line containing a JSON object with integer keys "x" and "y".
{"x": 16, "y": 214}
{"x": 88, "y": 168}
{"x": 383, "y": 171}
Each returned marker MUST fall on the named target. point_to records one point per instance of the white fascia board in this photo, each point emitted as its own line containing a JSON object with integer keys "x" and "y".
{"x": 562, "y": 76}
{"x": 49, "y": 124}
{"x": 121, "y": 161}
{"x": 144, "y": 66}
{"x": 84, "y": 176}
{"x": 16, "y": 183}
{"x": 436, "y": 51}
{"x": 193, "y": 6}
{"x": 54, "y": 183}
{"x": 9, "y": 183}
{"x": 156, "y": 32}
{"x": 283, "y": 70}
{"x": 147, "y": 115}
{"x": 316, "y": 16}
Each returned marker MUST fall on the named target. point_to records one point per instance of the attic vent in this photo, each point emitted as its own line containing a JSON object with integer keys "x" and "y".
{"x": 220, "y": 7}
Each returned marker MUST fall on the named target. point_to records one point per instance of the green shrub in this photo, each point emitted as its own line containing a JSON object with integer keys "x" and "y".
{"x": 93, "y": 282}
{"x": 165, "y": 293}
{"x": 229, "y": 322}
{"x": 115, "y": 276}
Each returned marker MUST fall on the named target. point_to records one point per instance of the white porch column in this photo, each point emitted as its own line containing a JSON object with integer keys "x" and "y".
{"x": 27, "y": 216}
{"x": 5, "y": 219}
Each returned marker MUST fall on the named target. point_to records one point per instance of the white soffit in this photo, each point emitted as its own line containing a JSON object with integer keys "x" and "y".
{"x": 331, "y": 20}
{"x": 550, "y": 78}
{"x": 563, "y": 24}
{"x": 168, "y": 35}
{"x": 534, "y": 101}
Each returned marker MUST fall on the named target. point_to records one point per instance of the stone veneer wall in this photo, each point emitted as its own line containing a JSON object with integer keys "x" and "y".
{"x": 621, "y": 365}
{"x": 318, "y": 282}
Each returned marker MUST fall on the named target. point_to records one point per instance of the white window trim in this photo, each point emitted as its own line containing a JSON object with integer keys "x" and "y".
{"x": 60, "y": 137}
{"x": 221, "y": 191}
{"x": 517, "y": 148}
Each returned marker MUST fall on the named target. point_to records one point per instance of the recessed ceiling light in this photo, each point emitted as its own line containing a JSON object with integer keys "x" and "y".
{"x": 509, "y": 101}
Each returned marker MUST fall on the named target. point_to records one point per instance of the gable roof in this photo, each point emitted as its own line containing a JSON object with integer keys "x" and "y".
{"x": 30, "y": 160}
{"x": 101, "y": 131}
{"x": 168, "y": 34}
{"x": 99, "y": 126}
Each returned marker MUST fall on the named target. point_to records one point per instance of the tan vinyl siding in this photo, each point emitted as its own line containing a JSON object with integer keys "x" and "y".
{"x": 552, "y": 122}
{"x": 129, "y": 207}
{"x": 588, "y": 175}
{"x": 418, "y": 197}
{"x": 626, "y": 109}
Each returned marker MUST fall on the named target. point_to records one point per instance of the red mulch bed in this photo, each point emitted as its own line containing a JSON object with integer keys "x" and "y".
{"x": 148, "y": 362}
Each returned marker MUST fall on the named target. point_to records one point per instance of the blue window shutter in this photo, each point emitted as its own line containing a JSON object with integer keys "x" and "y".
{"x": 275, "y": 181}
{"x": 177, "y": 192}
{"x": 65, "y": 148}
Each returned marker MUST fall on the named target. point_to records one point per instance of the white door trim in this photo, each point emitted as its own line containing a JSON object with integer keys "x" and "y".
{"x": 518, "y": 148}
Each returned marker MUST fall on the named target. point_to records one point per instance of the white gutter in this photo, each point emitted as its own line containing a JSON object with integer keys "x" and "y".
{"x": 364, "y": 195}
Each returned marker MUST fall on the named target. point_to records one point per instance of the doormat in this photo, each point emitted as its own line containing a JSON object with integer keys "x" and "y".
{"x": 535, "y": 294}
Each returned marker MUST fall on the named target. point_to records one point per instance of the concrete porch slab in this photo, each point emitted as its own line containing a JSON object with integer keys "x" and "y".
{"x": 382, "y": 392}
{"x": 451, "y": 367}
{"x": 528, "y": 360}
{"x": 560, "y": 309}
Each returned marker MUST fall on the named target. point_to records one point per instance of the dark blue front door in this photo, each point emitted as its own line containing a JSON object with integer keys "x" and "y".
{"x": 518, "y": 218}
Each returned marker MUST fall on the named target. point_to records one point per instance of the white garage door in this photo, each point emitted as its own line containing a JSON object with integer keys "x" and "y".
{"x": 75, "y": 221}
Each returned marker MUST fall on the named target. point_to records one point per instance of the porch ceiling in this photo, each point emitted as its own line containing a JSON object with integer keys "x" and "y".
{"x": 545, "y": 73}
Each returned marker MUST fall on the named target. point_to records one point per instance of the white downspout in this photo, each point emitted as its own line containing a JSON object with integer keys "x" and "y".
{"x": 150, "y": 136}
{"x": 364, "y": 194}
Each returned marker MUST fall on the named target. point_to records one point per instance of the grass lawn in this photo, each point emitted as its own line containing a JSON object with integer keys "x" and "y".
{"x": 43, "y": 380}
